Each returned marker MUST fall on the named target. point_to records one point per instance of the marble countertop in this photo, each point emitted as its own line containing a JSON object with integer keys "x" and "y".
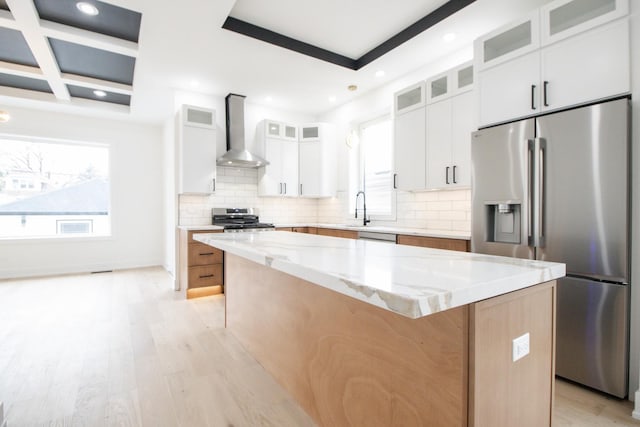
{"x": 445, "y": 234}
{"x": 200, "y": 227}
{"x": 407, "y": 280}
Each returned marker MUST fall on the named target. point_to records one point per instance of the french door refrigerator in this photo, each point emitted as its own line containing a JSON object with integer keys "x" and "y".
{"x": 556, "y": 188}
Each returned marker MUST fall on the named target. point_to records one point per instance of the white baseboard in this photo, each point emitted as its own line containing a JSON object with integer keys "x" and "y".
{"x": 636, "y": 412}
{"x": 35, "y": 271}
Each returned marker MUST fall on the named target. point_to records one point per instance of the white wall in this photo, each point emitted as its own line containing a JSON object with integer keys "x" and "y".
{"x": 136, "y": 199}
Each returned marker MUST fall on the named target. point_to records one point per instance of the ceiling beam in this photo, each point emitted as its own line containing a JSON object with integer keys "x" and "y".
{"x": 26, "y": 16}
{"x": 7, "y": 21}
{"x": 88, "y": 38}
{"x": 20, "y": 70}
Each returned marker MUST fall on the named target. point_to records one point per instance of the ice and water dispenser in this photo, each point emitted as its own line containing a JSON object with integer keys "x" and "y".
{"x": 503, "y": 222}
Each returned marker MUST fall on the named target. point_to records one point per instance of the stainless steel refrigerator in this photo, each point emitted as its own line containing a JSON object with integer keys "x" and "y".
{"x": 557, "y": 188}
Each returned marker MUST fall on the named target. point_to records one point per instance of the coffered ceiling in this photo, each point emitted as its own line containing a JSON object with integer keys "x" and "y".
{"x": 51, "y": 51}
{"x": 139, "y": 52}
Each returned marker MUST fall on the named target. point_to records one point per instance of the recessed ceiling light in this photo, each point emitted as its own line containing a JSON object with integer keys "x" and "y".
{"x": 449, "y": 37}
{"x": 379, "y": 73}
{"x": 194, "y": 83}
{"x": 352, "y": 88}
{"x": 100, "y": 93}
{"x": 332, "y": 99}
{"x": 268, "y": 99}
{"x": 87, "y": 8}
{"x": 4, "y": 116}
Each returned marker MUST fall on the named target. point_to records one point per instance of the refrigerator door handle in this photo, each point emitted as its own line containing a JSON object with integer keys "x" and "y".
{"x": 531, "y": 177}
{"x": 539, "y": 182}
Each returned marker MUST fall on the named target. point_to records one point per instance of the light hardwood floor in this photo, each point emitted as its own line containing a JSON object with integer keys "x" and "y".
{"x": 123, "y": 349}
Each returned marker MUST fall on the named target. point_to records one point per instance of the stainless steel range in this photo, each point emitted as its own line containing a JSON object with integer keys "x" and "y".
{"x": 237, "y": 220}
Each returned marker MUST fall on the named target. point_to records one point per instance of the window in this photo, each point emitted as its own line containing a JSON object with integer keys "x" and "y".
{"x": 376, "y": 156}
{"x": 53, "y": 188}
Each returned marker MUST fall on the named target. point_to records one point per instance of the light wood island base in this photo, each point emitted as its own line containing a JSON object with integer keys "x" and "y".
{"x": 349, "y": 363}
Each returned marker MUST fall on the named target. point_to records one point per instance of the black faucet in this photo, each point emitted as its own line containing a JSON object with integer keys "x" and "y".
{"x": 365, "y": 221}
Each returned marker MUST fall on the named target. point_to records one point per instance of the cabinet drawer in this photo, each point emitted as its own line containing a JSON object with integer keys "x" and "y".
{"x": 205, "y": 275}
{"x": 201, "y": 254}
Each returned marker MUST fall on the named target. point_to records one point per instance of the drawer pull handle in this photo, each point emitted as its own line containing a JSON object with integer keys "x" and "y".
{"x": 208, "y": 275}
{"x": 206, "y": 253}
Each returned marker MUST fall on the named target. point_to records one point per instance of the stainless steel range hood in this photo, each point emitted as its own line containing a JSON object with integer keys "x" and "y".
{"x": 237, "y": 154}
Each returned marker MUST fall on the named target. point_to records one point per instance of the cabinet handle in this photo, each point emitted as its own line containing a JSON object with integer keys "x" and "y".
{"x": 533, "y": 91}
{"x": 446, "y": 174}
{"x": 285, "y": 188}
{"x": 454, "y": 174}
{"x": 206, "y": 254}
{"x": 213, "y": 187}
{"x": 301, "y": 189}
{"x": 395, "y": 181}
{"x": 544, "y": 93}
{"x": 207, "y": 276}
{"x": 280, "y": 192}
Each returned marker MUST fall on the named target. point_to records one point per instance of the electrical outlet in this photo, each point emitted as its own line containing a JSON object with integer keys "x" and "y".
{"x": 520, "y": 347}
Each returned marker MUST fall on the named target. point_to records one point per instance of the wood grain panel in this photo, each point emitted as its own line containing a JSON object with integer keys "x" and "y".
{"x": 434, "y": 242}
{"x": 348, "y": 234}
{"x": 205, "y": 275}
{"x": 201, "y": 254}
{"x": 193, "y": 254}
{"x": 346, "y": 362}
{"x": 503, "y": 392}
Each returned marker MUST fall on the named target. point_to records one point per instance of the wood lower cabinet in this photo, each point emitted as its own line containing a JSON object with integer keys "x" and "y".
{"x": 434, "y": 242}
{"x": 201, "y": 267}
{"x": 348, "y": 234}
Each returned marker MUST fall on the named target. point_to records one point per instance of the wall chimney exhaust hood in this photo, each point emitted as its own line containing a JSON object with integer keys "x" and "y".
{"x": 237, "y": 154}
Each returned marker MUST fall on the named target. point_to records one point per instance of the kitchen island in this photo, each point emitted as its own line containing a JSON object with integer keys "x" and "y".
{"x": 369, "y": 333}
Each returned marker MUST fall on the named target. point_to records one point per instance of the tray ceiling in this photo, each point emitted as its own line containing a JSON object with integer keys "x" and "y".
{"x": 50, "y": 50}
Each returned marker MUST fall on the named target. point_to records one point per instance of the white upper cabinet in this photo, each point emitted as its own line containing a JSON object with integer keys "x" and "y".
{"x": 450, "y": 83}
{"x": 432, "y": 141}
{"x": 409, "y": 99}
{"x": 448, "y": 156}
{"x": 196, "y": 150}
{"x": 577, "y": 52}
{"x": 565, "y": 18}
{"x": 507, "y": 43}
{"x": 439, "y": 87}
{"x": 409, "y": 150}
{"x": 280, "y": 130}
{"x": 510, "y": 90}
{"x": 317, "y": 161}
{"x": 279, "y": 145}
{"x": 588, "y": 67}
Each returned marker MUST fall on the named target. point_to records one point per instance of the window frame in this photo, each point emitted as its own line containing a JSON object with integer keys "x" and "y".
{"x": 392, "y": 216}
{"x": 110, "y": 235}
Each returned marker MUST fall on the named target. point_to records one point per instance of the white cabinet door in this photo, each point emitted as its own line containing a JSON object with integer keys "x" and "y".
{"x": 565, "y": 18}
{"x": 510, "y": 90}
{"x": 270, "y": 176}
{"x": 196, "y": 150}
{"x": 589, "y": 67}
{"x": 409, "y": 150}
{"x": 289, "y": 164}
{"x": 439, "y": 144}
{"x": 508, "y": 42}
{"x": 409, "y": 99}
{"x": 311, "y": 175}
{"x": 464, "y": 121}
{"x": 198, "y": 160}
